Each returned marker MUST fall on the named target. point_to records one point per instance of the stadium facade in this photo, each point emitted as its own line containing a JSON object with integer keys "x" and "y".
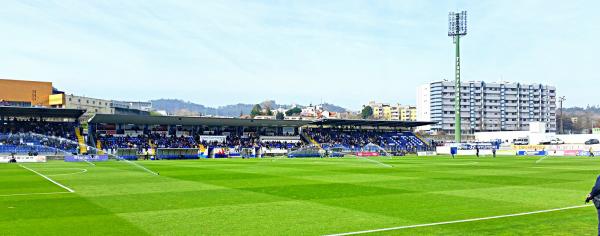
{"x": 21, "y": 93}
{"x": 24, "y": 93}
{"x": 498, "y": 106}
{"x": 94, "y": 106}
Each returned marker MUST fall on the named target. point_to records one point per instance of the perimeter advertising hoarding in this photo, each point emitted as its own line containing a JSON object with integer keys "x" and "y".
{"x": 367, "y": 154}
{"x": 23, "y": 159}
{"x": 587, "y": 153}
{"x": 90, "y": 158}
{"x": 532, "y": 153}
{"x": 474, "y": 146}
{"x": 528, "y": 147}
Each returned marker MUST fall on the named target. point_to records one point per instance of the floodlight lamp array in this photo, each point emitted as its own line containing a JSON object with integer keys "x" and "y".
{"x": 457, "y": 23}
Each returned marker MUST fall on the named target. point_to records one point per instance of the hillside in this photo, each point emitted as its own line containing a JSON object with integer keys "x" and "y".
{"x": 180, "y": 107}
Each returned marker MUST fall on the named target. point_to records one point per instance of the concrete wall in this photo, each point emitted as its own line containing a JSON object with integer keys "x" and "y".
{"x": 503, "y": 135}
{"x": 577, "y": 138}
{"x": 534, "y": 138}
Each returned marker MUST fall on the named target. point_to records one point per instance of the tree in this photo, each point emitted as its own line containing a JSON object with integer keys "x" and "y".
{"x": 279, "y": 116}
{"x": 293, "y": 111}
{"x": 568, "y": 123}
{"x": 155, "y": 113}
{"x": 269, "y": 112}
{"x": 367, "y": 112}
{"x": 256, "y": 111}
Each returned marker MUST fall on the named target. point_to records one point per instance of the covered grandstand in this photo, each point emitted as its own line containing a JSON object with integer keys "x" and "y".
{"x": 216, "y": 137}
{"x": 352, "y": 136}
{"x": 212, "y": 136}
{"x": 8, "y": 113}
{"x": 48, "y": 131}
{"x": 43, "y": 131}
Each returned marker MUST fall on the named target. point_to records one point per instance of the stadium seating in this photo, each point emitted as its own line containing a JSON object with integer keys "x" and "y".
{"x": 349, "y": 141}
{"x": 147, "y": 141}
{"x": 354, "y": 140}
{"x": 40, "y": 137}
{"x": 43, "y": 137}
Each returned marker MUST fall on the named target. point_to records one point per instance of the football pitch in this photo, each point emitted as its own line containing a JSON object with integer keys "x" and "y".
{"x": 312, "y": 196}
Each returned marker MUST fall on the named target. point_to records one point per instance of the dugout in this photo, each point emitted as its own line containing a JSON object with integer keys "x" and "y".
{"x": 177, "y": 153}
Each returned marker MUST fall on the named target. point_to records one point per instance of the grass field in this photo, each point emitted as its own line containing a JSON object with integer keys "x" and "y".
{"x": 300, "y": 197}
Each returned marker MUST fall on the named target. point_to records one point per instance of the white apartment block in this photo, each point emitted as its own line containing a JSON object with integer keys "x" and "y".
{"x": 500, "y": 106}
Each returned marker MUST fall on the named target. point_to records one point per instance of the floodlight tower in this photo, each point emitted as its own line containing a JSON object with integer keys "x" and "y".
{"x": 562, "y": 127}
{"x": 457, "y": 27}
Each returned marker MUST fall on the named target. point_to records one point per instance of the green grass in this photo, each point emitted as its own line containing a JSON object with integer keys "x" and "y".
{"x": 300, "y": 197}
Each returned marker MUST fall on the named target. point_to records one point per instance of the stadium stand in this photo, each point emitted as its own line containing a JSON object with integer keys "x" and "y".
{"x": 27, "y": 131}
{"x": 33, "y": 131}
{"x": 355, "y": 140}
{"x": 147, "y": 141}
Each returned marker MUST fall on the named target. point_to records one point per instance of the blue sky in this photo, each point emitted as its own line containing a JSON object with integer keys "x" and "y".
{"x": 341, "y": 52}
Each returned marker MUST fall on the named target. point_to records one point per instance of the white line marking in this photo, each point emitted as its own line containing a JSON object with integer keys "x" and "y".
{"x": 541, "y": 159}
{"x": 138, "y": 165}
{"x": 79, "y": 172}
{"x": 49, "y": 179}
{"x": 558, "y": 168}
{"x": 462, "y": 164}
{"x": 459, "y": 221}
{"x": 27, "y": 194}
{"x": 92, "y": 164}
{"x": 377, "y": 162}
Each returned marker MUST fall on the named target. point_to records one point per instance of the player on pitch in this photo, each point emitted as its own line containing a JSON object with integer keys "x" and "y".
{"x": 594, "y": 196}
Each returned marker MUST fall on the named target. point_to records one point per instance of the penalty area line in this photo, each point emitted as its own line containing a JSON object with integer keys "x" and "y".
{"x": 459, "y": 221}
{"x": 49, "y": 179}
{"x": 73, "y": 173}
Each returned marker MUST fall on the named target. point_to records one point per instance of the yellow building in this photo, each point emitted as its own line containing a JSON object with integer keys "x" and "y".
{"x": 386, "y": 111}
{"x": 408, "y": 113}
{"x": 25, "y": 93}
{"x": 381, "y": 111}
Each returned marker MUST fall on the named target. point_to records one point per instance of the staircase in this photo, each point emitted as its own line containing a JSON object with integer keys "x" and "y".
{"x": 422, "y": 139}
{"x": 311, "y": 140}
{"x": 99, "y": 147}
{"x": 152, "y": 150}
{"x": 81, "y": 141}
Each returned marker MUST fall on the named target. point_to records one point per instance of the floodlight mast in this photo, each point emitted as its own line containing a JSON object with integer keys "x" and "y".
{"x": 457, "y": 27}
